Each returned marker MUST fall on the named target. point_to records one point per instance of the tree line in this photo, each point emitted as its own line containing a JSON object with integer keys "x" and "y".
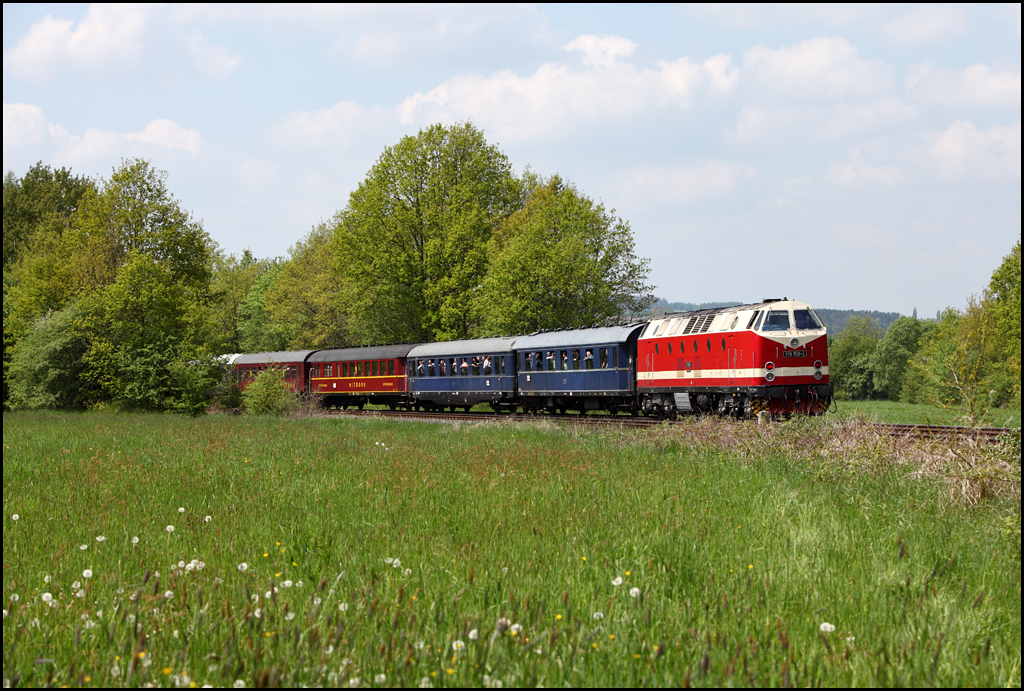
{"x": 114, "y": 294}
{"x": 968, "y": 358}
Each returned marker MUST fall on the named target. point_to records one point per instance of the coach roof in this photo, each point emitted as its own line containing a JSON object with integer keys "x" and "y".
{"x": 579, "y": 337}
{"x": 384, "y": 352}
{"x": 477, "y": 346}
{"x": 278, "y": 358}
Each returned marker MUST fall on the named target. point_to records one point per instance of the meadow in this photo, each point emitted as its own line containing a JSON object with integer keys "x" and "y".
{"x": 246, "y": 551}
{"x": 919, "y": 413}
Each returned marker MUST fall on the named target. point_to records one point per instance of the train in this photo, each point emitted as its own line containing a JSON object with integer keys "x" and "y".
{"x": 739, "y": 361}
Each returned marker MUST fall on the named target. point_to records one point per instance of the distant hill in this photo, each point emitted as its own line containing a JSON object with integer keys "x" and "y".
{"x": 835, "y": 320}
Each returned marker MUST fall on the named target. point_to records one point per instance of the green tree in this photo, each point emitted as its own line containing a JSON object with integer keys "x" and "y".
{"x": 410, "y": 248}
{"x": 562, "y": 261}
{"x": 269, "y": 394}
{"x": 1004, "y": 294}
{"x": 304, "y": 299}
{"x": 955, "y": 363}
{"x": 850, "y": 355}
{"x": 892, "y": 356}
{"x": 256, "y": 328}
{"x": 43, "y": 201}
{"x": 48, "y": 365}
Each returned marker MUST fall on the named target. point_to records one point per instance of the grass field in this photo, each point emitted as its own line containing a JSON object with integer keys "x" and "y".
{"x": 357, "y": 552}
{"x": 917, "y": 414}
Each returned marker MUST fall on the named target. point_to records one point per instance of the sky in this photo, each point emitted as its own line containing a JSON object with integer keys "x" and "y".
{"x": 853, "y": 157}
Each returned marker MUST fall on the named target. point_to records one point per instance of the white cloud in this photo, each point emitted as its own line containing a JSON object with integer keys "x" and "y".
{"x": 167, "y": 134}
{"x": 757, "y": 123}
{"x": 923, "y": 24}
{"x": 682, "y": 184}
{"x": 977, "y": 85}
{"x": 107, "y": 33}
{"x": 558, "y": 97}
{"x": 820, "y": 67}
{"x": 258, "y": 173}
{"x": 786, "y": 203}
{"x": 214, "y": 61}
{"x": 25, "y": 124}
{"x": 853, "y": 172}
{"x": 340, "y": 125}
{"x": 962, "y": 151}
{"x": 603, "y": 50}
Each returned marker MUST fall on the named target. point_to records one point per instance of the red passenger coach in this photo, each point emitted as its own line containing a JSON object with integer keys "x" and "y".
{"x": 741, "y": 360}
{"x": 356, "y": 376}
{"x": 291, "y": 362}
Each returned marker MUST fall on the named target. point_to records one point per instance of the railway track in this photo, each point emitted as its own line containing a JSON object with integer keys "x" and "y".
{"x": 990, "y": 434}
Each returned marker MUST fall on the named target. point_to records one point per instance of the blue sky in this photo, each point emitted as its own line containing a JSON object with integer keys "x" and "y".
{"x": 853, "y": 157}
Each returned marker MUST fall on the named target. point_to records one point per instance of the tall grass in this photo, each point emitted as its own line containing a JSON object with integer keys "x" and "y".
{"x": 381, "y": 553}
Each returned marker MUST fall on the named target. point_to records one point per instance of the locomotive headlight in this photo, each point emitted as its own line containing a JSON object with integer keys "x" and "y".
{"x": 769, "y": 366}
{"x": 794, "y": 342}
{"x": 817, "y": 364}
{"x": 770, "y": 376}
{"x": 817, "y": 374}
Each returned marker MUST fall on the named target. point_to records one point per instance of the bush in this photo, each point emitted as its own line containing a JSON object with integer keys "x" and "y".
{"x": 270, "y": 394}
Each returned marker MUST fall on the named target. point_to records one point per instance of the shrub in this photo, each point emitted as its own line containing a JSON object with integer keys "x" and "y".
{"x": 270, "y": 394}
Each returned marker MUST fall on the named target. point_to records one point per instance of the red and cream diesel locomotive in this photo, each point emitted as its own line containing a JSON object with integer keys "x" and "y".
{"x": 771, "y": 356}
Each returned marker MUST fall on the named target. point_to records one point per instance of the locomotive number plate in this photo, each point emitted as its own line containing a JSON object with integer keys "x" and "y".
{"x": 794, "y": 353}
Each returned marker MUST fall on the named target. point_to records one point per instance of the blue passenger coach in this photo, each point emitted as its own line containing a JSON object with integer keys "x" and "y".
{"x": 584, "y": 369}
{"x": 463, "y": 373}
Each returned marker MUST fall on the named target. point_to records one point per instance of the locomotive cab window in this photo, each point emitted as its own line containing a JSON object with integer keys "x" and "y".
{"x": 777, "y": 320}
{"x": 805, "y": 320}
{"x": 709, "y": 345}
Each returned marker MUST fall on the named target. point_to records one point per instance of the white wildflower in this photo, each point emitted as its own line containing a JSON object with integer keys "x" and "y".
{"x": 425, "y": 683}
{"x": 851, "y": 639}
{"x": 46, "y": 597}
{"x": 353, "y": 683}
{"x": 243, "y": 567}
{"x": 617, "y": 581}
{"x": 15, "y": 517}
{"x": 135, "y": 540}
{"x": 169, "y": 528}
{"x": 343, "y": 607}
{"x": 15, "y": 597}
{"x": 289, "y": 616}
{"x": 239, "y": 684}
{"x": 175, "y": 633}
{"x": 474, "y": 634}
{"x": 169, "y": 594}
{"x": 826, "y": 627}
{"x": 380, "y": 679}
{"x": 598, "y": 616}
{"x": 87, "y": 573}
{"x": 100, "y": 538}
{"x": 634, "y": 592}
{"x": 317, "y": 600}
{"x": 76, "y": 585}
{"x": 83, "y": 547}
{"x": 80, "y": 593}
{"x": 298, "y": 584}
{"x": 515, "y": 629}
{"x": 258, "y": 613}
{"x": 286, "y": 584}
{"x": 181, "y": 509}
{"x": 457, "y": 646}
{"x": 208, "y": 519}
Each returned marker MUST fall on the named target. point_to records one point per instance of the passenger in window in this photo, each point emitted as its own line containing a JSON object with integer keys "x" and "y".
{"x": 440, "y": 364}
{"x": 464, "y": 366}
{"x": 487, "y": 364}
{"x": 588, "y": 358}
{"x": 419, "y": 368}
{"x": 565, "y": 360}
{"x": 575, "y": 358}
{"x": 604, "y": 358}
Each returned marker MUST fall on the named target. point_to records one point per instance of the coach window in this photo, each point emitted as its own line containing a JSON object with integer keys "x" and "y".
{"x": 588, "y": 358}
{"x": 603, "y": 354}
{"x": 486, "y": 365}
{"x": 527, "y": 363}
{"x": 615, "y": 357}
{"x": 375, "y": 370}
{"x": 430, "y": 367}
{"x": 453, "y": 368}
{"x": 391, "y": 368}
{"x": 575, "y": 358}
{"x": 382, "y": 366}
{"x": 476, "y": 366}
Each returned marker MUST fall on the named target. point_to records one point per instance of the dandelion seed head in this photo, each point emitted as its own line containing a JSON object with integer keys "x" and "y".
{"x": 286, "y": 584}
{"x": 598, "y": 616}
{"x": 317, "y": 600}
{"x": 243, "y": 567}
{"x": 826, "y": 627}
{"x": 617, "y": 581}
{"x": 46, "y": 597}
{"x": 181, "y": 509}
{"x": 289, "y": 616}
{"x": 239, "y": 684}
{"x": 169, "y": 528}
{"x": 83, "y": 547}
{"x": 15, "y": 517}
{"x": 87, "y": 573}
{"x": 15, "y": 597}
{"x": 76, "y": 585}
{"x": 80, "y": 593}
{"x": 380, "y": 678}
{"x": 298, "y": 584}
{"x": 46, "y": 578}
{"x": 100, "y": 538}
{"x": 258, "y": 613}
{"x": 269, "y": 594}
{"x": 208, "y": 519}
{"x": 181, "y": 564}
{"x": 135, "y": 540}
{"x": 169, "y": 594}
{"x": 474, "y": 634}
{"x": 353, "y": 683}
{"x": 851, "y": 639}
{"x": 501, "y": 626}
{"x": 408, "y": 572}
{"x": 634, "y": 592}
{"x": 343, "y": 607}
